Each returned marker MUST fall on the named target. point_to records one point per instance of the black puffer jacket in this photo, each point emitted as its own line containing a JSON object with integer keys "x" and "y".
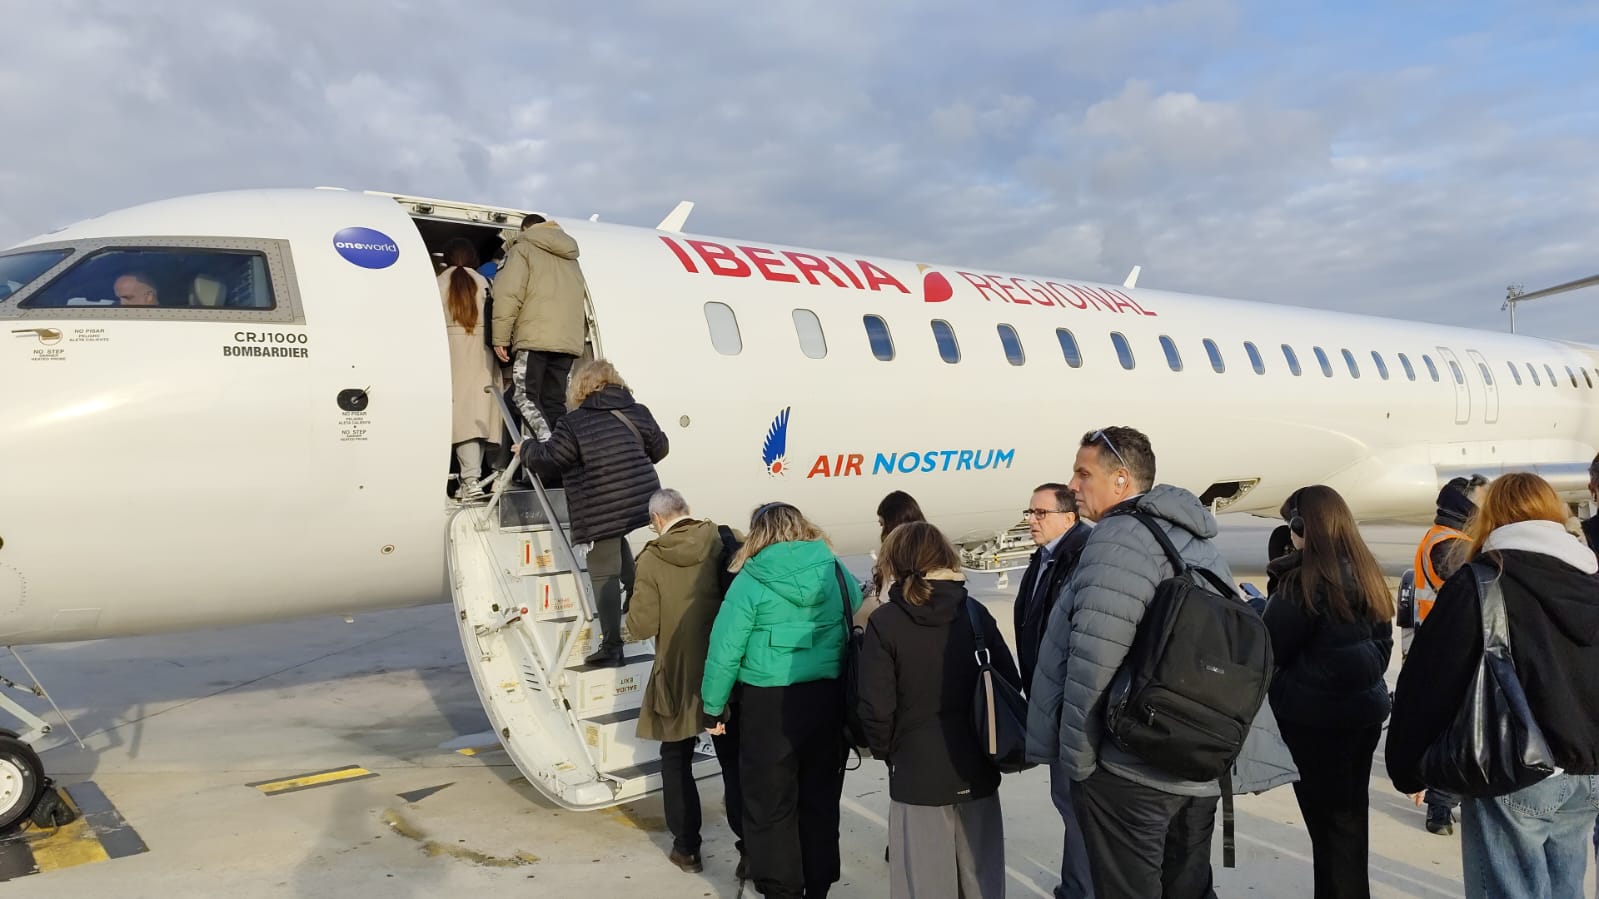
{"x": 1329, "y": 672}
{"x": 917, "y": 676}
{"x": 1552, "y": 610}
{"x": 609, "y": 474}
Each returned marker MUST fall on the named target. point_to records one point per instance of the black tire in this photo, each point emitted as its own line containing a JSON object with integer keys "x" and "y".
{"x": 21, "y": 782}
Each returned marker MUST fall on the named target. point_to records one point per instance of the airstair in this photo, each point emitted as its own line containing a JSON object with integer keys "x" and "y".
{"x": 525, "y": 607}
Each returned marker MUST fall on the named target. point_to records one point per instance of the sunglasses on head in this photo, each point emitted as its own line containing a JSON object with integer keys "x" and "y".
{"x": 1101, "y": 435}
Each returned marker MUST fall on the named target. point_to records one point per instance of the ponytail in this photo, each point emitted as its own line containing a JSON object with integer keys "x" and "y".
{"x": 463, "y": 299}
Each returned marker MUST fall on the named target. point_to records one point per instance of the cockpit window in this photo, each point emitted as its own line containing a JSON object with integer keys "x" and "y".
{"x": 161, "y": 277}
{"x": 19, "y": 269}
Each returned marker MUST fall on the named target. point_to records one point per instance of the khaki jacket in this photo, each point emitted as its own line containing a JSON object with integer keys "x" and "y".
{"x": 676, "y": 594}
{"x": 539, "y": 293}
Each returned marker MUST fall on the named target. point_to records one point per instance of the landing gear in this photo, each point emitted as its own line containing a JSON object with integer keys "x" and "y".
{"x": 22, "y": 780}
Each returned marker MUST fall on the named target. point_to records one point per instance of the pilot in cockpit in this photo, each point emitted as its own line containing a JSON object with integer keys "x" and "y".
{"x": 135, "y": 289}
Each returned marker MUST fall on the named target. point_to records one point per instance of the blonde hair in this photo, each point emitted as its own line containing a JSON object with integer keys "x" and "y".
{"x": 589, "y": 378}
{"x": 909, "y": 553}
{"x": 1510, "y": 498}
{"x": 775, "y": 523}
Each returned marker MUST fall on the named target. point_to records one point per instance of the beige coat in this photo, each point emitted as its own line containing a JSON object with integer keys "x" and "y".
{"x": 539, "y": 293}
{"x": 676, "y": 594}
{"x": 472, "y": 371}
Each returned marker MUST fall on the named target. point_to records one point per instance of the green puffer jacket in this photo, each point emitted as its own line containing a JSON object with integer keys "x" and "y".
{"x": 782, "y": 622}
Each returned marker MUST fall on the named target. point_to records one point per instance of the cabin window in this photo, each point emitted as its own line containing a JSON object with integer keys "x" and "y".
{"x": 1536, "y": 381}
{"x": 1571, "y": 374}
{"x": 1323, "y": 361}
{"x": 944, "y": 335}
{"x": 877, "y": 335}
{"x": 161, "y": 278}
{"x": 1382, "y": 367}
{"x": 1553, "y": 381}
{"x": 1454, "y": 369}
{"x": 1588, "y": 379}
{"x": 1349, "y": 360}
{"x": 1214, "y": 352}
{"x": 1068, "y": 347}
{"x": 1431, "y": 369}
{"x": 1012, "y": 344}
{"x": 1255, "y": 362}
{"x": 723, "y": 323}
{"x": 1292, "y": 359}
{"x": 1489, "y": 379}
{"x": 1514, "y": 373}
{"x": 1410, "y": 370}
{"x": 812, "y": 341}
{"x": 1124, "y": 350}
{"x": 1173, "y": 358}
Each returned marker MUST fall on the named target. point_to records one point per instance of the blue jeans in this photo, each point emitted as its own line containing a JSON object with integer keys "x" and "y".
{"x": 1076, "y": 882}
{"x": 1530, "y": 844}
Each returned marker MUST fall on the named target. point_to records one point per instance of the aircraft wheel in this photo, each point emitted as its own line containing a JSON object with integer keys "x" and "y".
{"x": 21, "y": 780}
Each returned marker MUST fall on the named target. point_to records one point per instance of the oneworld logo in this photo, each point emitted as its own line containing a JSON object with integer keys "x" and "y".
{"x": 774, "y": 454}
{"x": 366, "y": 247}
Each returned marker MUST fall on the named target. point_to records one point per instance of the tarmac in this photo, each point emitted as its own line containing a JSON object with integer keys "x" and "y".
{"x": 322, "y": 758}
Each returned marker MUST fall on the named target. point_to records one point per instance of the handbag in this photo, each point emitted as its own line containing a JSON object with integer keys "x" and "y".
{"x": 849, "y": 672}
{"x": 999, "y": 713}
{"x": 1493, "y": 746}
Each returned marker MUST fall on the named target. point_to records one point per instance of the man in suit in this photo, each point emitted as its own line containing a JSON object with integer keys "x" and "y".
{"x": 1060, "y": 535}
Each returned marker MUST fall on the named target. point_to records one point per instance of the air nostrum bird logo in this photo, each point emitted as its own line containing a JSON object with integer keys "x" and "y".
{"x": 774, "y": 451}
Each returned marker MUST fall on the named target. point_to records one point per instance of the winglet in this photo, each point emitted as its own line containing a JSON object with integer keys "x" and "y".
{"x": 677, "y": 218}
{"x": 1132, "y": 277}
{"x": 595, "y": 217}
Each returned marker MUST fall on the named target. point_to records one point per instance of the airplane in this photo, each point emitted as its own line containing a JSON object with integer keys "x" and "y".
{"x": 271, "y": 438}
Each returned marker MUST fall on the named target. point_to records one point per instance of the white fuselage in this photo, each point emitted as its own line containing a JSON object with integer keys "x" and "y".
{"x": 157, "y": 473}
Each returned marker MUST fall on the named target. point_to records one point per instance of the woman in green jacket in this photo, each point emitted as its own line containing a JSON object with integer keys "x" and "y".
{"x": 779, "y": 641}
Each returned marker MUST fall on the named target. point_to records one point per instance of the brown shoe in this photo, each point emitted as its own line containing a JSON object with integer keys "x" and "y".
{"x": 688, "y": 861}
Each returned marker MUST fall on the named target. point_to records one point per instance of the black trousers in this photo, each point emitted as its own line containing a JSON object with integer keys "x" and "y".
{"x": 1333, "y": 792}
{"x": 1145, "y": 843}
{"x": 791, "y": 760}
{"x": 539, "y": 379}
{"x": 611, "y": 572}
{"x": 681, "y": 794}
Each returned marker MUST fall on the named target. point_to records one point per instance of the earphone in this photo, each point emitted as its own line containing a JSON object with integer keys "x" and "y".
{"x": 1120, "y": 481}
{"x": 1296, "y": 524}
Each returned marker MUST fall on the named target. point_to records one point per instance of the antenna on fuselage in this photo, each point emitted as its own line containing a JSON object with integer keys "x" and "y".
{"x": 677, "y": 218}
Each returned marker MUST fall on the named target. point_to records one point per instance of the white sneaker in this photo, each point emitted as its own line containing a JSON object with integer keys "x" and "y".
{"x": 471, "y": 489}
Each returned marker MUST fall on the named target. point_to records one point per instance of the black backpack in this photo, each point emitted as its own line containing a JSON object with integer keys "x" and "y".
{"x": 730, "y": 547}
{"x": 1195, "y": 676}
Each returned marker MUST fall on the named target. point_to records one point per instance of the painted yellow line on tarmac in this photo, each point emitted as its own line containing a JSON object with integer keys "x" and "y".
{"x": 312, "y": 780}
{"x": 98, "y": 834}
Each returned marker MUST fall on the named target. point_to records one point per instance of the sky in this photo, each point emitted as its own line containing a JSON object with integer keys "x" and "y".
{"x": 1405, "y": 159}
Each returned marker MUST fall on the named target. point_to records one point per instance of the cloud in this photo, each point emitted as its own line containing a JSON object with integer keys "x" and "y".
{"x": 1230, "y": 148}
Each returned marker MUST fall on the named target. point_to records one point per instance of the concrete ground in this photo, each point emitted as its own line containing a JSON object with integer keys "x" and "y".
{"x": 177, "y": 726}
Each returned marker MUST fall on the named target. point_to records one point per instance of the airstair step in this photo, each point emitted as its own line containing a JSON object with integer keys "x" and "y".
{"x": 652, "y": 767}
{"x": 520, "y": 510}
{"x": 594, "y": 690}
{"x": 627, "y": 661}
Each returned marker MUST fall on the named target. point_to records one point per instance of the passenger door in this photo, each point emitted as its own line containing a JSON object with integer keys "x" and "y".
{"x": 1457, "y": 377}
{"x": 1490, "y": 389}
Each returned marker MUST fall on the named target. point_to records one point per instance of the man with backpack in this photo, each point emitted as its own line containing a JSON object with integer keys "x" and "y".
{"x": 1147, "y": 829}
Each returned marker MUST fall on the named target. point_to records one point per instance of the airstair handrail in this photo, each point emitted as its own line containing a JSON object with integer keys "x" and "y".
{"x": 585, "y": 601}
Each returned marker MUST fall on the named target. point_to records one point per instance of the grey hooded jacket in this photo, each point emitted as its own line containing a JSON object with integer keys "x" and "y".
{"x": 1090, "y": 631}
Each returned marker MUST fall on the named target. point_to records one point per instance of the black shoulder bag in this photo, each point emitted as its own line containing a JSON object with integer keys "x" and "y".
{"x": 849, "y": 670}
{"x": 1493, "y": 746}
{"x": 999, "y": 713}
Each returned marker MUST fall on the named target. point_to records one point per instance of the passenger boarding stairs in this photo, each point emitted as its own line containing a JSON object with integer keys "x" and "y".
{"x": 525, "y": 607}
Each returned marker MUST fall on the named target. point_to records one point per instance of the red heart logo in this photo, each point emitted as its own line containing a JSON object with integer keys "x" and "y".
{"x": 935, "y": 288}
